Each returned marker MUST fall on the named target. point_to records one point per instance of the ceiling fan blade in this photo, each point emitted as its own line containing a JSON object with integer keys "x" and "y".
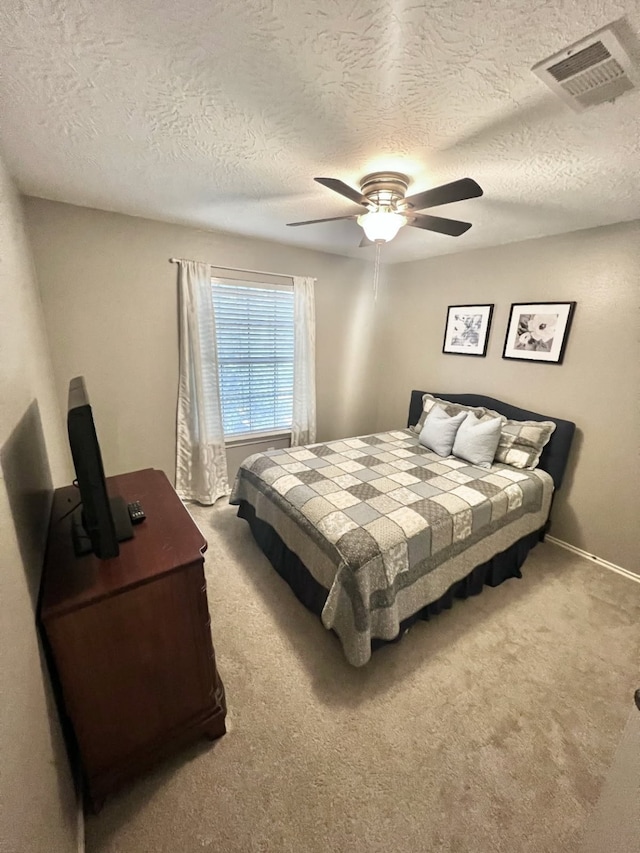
{"x": 330, "y": 219}
{"x": 344, "y": 189}
{"x": 455, "y": 191}
{"x": 453, "y": 227}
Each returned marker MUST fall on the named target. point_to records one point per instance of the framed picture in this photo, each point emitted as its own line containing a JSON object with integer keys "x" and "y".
{"x": 467, "y": 329}
{"x": 538, "y": 331}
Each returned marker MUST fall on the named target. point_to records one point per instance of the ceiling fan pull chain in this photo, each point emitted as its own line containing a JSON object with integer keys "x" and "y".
{"x": 376, "y": 272}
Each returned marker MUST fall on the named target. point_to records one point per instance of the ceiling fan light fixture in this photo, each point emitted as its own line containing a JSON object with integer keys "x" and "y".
{"x": 381, "y": 226}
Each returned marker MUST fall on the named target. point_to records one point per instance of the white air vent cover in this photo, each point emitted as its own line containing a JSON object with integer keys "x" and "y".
{"x": 589, "y": 72}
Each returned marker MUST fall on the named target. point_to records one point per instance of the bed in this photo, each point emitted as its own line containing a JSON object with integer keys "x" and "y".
{"x": 376, "y": 531}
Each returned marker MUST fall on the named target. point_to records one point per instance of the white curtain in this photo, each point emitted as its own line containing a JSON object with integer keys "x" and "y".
{"x": 303, "y": 426}
{"x": 201, "y": 460}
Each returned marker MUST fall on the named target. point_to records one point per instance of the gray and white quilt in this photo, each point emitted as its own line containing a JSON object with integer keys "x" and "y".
{"x": 385, "y": 525}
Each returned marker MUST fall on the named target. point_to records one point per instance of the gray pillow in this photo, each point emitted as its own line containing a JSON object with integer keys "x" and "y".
{"x": 477, "y": 440}
{"x": 429, "y": 401}
{"x": 522, "y": 442}
{"x": 439, "y": 430}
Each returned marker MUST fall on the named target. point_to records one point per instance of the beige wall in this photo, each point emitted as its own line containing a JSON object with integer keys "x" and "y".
{"x": 109, "y": 297}
{"x": 597, "y": 386}
{"x": 37, "y": 802}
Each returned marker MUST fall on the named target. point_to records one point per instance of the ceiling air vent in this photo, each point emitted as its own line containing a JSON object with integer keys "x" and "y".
{"x": 589, "y": 72}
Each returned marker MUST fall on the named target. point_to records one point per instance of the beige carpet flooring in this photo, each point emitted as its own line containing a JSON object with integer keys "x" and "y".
{"x": 490, "y": 728}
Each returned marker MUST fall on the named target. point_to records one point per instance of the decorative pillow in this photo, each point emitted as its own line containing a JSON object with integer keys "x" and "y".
{"x": 522, "y": 442}
{"x": 477, "y": 440}
{"x": 439, "y": 430}
{"x": 429, "y": 401}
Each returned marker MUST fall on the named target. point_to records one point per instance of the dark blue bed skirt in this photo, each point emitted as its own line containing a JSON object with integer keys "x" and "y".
{"x": 307, "y": 589}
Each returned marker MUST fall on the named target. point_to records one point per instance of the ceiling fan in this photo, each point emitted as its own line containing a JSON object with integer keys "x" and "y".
{"x": 388, "y": 209}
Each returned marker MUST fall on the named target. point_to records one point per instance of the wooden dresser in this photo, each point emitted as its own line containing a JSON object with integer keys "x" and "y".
{"x": 128, "y": 639}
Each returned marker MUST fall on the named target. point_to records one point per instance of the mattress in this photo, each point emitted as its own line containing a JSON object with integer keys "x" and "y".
{"x": 385, "y": 525}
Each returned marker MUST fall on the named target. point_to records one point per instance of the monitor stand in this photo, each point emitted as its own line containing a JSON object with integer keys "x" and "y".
{"x": 121, "y": 521}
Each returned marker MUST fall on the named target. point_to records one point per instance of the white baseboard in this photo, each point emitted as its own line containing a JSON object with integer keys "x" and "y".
{"x": 605, "y": 563}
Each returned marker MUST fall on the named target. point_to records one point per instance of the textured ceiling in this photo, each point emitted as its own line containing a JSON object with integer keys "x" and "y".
{"x": 219, "y": 114}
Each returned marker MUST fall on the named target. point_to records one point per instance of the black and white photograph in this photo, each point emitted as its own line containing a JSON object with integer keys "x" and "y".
{"x": 538, "y": 331}
{"x": 467, "y": 329}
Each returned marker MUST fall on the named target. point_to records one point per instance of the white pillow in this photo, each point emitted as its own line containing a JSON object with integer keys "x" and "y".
{"x": 439, "y": 430}
{"x": 477, "y": 440}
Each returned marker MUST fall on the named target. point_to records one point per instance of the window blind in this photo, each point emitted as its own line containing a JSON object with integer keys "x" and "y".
{"x": 254, "y": 330}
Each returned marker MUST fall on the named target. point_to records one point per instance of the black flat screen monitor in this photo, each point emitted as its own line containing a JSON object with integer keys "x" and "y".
{"x": 100, "y": 522}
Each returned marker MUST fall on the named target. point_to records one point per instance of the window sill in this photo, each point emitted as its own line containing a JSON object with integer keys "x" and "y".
{"x": 256, "y": 437}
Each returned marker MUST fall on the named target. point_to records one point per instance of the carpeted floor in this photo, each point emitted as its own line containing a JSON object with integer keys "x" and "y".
{"x": 490, "y": 728}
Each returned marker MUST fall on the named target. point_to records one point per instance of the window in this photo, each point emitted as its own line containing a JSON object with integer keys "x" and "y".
{"x": 254, "y": 329}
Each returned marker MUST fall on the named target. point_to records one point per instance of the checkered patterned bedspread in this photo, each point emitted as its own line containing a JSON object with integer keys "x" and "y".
{"x": 385, "y": 511}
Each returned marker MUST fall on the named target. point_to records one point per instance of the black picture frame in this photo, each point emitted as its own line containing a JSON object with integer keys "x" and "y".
{"x": 538, "y": 331}
{"x": 466, "y": 331}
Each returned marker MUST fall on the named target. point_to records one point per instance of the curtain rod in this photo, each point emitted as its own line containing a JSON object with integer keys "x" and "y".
{"x": 240, "y": 269}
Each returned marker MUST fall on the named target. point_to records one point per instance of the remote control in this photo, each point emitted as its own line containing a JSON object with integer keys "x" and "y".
{"x": 136, "y": 513}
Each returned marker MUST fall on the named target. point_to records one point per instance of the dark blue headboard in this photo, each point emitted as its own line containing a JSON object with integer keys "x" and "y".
{"x": 554, "y": 456}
